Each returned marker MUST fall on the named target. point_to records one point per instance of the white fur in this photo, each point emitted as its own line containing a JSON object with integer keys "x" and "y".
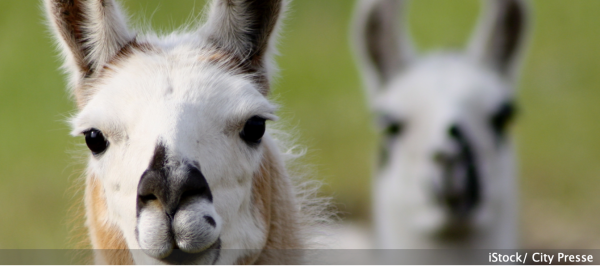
{"x": 429, "y": 94}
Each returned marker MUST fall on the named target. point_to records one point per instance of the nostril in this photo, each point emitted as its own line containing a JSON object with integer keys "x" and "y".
{"x": 454, "y": 131}
{"x": 147, "y": 198}
{"x": 442, "y": 158}
{"x": 150, "y": 188}
{"x": 194, "y": 193}
{"x": 210, "y": 221}
{"x": 196, "y": 186}
{"x": 439, "y": 158}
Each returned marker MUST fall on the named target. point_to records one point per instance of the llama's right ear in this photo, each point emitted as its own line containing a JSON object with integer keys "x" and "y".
{"x": 381, "y": 40}
{"x": 89, "y": 32}
{"x": 245, "y": 30}
{"x": 501, "y": 35}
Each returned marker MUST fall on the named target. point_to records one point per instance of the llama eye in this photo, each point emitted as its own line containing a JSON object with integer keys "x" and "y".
{"x": 502, "y": 118}
{"x": 95, "y": 141}
{"x": 394, "y": 129}
{"x": 254, "y": 129}
{"x": 391, "y": 126}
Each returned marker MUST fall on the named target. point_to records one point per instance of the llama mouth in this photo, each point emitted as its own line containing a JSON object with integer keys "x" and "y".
{"x": 208, "y": 256}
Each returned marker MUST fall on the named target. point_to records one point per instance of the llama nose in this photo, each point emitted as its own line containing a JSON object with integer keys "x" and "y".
{"x": 460, "y": 185}
{"x": 171, "y": 188}
{"x": 443, "y": 158}
{"x": 450, "y": 152}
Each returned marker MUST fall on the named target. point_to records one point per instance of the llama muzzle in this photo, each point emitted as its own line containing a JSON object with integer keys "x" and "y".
{"x": 175, "y": 209}
{"x": 459, "y": 190}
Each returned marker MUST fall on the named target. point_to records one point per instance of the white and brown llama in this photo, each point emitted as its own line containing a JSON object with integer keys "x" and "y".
{"x": 181, "y": 168}
{"x": 445, "y": 178}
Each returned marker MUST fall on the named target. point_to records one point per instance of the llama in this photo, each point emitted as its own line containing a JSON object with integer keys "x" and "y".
{"x": 181, "y": 168}
{"x": 445, "y": 176}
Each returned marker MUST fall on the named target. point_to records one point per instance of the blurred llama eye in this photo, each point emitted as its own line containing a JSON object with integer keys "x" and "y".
{"x": 391, "y": 126}
{"x": 394, "y": 129}
{"x": 500, "y": 120}
{"x": 95, "y": 141}
{"x": 253, "y": 131}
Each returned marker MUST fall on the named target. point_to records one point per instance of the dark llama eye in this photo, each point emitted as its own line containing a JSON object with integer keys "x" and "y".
{"x": 500, "y": 120}
{"x": 253, "y": 131}
{"x": 394, "y": 129}
{"x": 95, "y": 141}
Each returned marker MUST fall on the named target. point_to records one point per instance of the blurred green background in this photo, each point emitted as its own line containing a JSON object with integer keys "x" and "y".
{"x": 320, "y": 92}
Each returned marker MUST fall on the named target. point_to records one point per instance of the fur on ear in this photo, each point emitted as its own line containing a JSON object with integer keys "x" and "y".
{"x": 382, "y": 45}
{"x": 89, "y": 33}
{"x": 501, "y": 35}
{"x": 246, "y": 29}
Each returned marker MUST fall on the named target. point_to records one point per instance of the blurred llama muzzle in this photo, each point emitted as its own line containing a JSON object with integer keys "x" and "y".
{"x": 459, "y": 187}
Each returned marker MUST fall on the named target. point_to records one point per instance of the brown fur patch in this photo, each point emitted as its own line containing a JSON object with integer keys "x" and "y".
{"x": 217, "y": 57}
{"x": 239, "y": 66}
{"x": 261, "y": 200}
{"x": 262, "y": 190}
{"x": 247, "y": 260}
{"x": 83, "y": 94}
{"x": 107, "y": 240}
{"x": 128, "y": 50}
{"x": 274, "y": 201}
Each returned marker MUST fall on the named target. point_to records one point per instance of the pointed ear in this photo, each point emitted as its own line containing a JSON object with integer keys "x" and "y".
{"x": 89, "y": 32}
{"x": 381, "y": 40}
{"x": 501, "y": 34}
{"x": 245, "y": 29}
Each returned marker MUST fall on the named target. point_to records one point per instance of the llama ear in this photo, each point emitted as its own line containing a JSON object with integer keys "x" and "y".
{"x": 89, "y": 32}
{"x": 246, "y": 30}
{"x": 383, "y": 46}
{"x": 501, "y": 34}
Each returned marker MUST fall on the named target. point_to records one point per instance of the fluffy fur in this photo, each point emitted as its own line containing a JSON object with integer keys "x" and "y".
{"x": 191, "y": 93}
{"x": 446, "y": 173}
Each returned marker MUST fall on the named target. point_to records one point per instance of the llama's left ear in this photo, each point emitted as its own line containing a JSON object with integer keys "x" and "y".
{"x": 381, "y": 41}
{"x": 501, "y": 34}
{"x": 246, "y": 29}
{"x": 89, "y": 32}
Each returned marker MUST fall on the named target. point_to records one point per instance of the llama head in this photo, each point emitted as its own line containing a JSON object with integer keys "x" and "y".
{"x": 444, "y": 116}
{"x": 175, "y": 126}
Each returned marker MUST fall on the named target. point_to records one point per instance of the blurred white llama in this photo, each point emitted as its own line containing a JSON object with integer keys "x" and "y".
{"x": 446, "y": 170}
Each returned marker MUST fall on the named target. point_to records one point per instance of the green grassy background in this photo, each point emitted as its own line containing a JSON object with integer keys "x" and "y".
{"x": 319, "y": 89}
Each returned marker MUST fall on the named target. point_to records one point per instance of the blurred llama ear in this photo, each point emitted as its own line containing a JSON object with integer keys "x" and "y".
{"x": 501, "y": 35}
{"x": 381, "y": 40}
